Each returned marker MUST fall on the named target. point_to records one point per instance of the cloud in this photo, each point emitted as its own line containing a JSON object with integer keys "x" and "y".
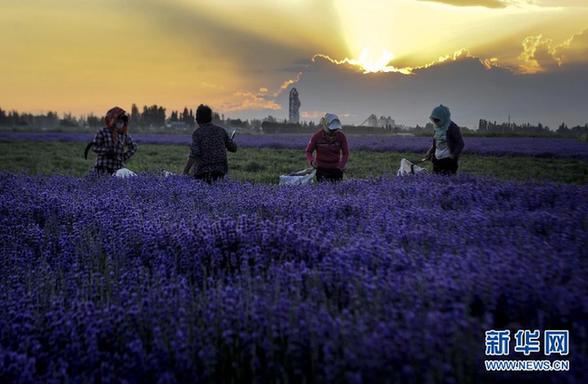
{"x": 544, "y": 85}
{"x": 206, "y": 84}
{"x": 250, "y": 101}
{"x": 386, "y": 67}
{"x": 471, "y": 87}
{"x": 473, "y": 3}
{"x": 227, "y": 52}
{"x": 540, "y": 54}
{"x": 262, "y": 101}
{"x": 561, "y": 3}
{"x": 498, "y": 4}
{"x": 574, "y": 50}
{"x": 287, "y": 84}
{"x": 365, "y": 67}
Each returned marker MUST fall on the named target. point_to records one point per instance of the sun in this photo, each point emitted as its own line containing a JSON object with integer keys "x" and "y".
{"x": 369, "y": 63}
{"x": 374, "y": 63}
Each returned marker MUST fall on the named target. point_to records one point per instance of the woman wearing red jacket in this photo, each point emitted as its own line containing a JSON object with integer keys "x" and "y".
{"x": 332, "y": 151}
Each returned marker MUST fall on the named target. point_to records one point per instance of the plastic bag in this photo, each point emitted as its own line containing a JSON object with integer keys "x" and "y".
{"x": 123, "y": 173}
{"x": 408, "y": 168}
{"x": 304, "y": 177}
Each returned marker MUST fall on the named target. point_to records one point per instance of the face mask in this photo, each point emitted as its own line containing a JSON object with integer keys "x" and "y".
{"x": 120, "y": 125}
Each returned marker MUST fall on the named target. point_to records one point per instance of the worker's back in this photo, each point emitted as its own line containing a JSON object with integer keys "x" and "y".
{"x": 210, "y": 144}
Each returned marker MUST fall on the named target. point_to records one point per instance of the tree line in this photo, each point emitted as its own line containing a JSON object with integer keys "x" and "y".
{"x": 485, "y": 126}
{"x": 148, "y": 117}
{"x": 155, "y": 118}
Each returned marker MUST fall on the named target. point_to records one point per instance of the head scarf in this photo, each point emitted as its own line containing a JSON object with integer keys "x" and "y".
{"x": 330, "y": 123}
{"x": 110, "y": 120}
{"x": 442, "y": 113}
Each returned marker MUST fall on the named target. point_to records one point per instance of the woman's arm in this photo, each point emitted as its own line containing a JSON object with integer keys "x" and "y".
{"x": 457, "y": 140}
{"x": 344, "y": 152}
{"x": 194, "y": 153}
{"x": 195, "y": 147}
{"x": 310, "y": 150}
{"x": 229, "y": 143}
{"x": 431, "y": 151}
{"x": 189, "y": 165}
{"x": 132, "y": 148}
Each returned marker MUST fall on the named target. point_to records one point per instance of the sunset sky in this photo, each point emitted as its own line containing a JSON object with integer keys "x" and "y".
{"x": 484, "y": 58}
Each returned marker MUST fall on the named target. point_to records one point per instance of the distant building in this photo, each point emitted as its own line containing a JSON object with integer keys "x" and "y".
{"x": 386, "y": 122}
{"x": 372, "y": 121}
{"x": 381, "y": 122}
{"x": 294, "y": 116}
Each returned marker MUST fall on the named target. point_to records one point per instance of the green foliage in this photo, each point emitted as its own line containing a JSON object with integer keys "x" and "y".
{"x": 265, "y": 165}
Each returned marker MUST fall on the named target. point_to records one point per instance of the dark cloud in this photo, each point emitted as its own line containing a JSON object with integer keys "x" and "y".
{"x": 473, "y": 3}
{"x": 207, "y": 34}
{"x": 298, "y": 66}
{"x": 471, "y": 90}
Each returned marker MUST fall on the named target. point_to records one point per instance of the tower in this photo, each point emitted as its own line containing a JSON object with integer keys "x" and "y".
{"x": 294, "y": 116}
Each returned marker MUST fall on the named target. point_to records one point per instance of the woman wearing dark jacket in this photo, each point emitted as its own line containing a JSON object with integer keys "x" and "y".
{"x": 447, "y": 142}
{"x": 208, "y": 152}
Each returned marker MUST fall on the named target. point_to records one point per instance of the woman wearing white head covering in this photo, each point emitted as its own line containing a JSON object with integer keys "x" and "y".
{"x": 447, "y": 142}
{"x": 332, "y": 151}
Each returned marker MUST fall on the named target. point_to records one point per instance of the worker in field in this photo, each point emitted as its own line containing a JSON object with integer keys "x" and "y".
{"x": 447, "y": 142}
{"x": 112, "y": 144}
{"x": 327, "y": 150}
{"x": 208, "y": 152}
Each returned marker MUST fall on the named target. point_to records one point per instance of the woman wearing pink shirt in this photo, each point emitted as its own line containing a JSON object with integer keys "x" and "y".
{"x": 332, "y": 151}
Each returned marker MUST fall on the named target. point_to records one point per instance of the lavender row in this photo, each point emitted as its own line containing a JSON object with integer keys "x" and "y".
{"x": 501, "y": 146}
{"x": 170, "y": 280}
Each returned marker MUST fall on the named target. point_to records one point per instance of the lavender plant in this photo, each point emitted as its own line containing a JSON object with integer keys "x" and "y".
{"x": 388, "y": 280}
{"x": 496, "y": 146}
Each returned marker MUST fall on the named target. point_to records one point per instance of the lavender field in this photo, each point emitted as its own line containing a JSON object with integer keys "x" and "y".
{"x": 390, "y": 280}
{"x": 496, "y": 146}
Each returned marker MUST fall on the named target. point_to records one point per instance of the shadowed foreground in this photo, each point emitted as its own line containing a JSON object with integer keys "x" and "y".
{"x": 167, "y": 279}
